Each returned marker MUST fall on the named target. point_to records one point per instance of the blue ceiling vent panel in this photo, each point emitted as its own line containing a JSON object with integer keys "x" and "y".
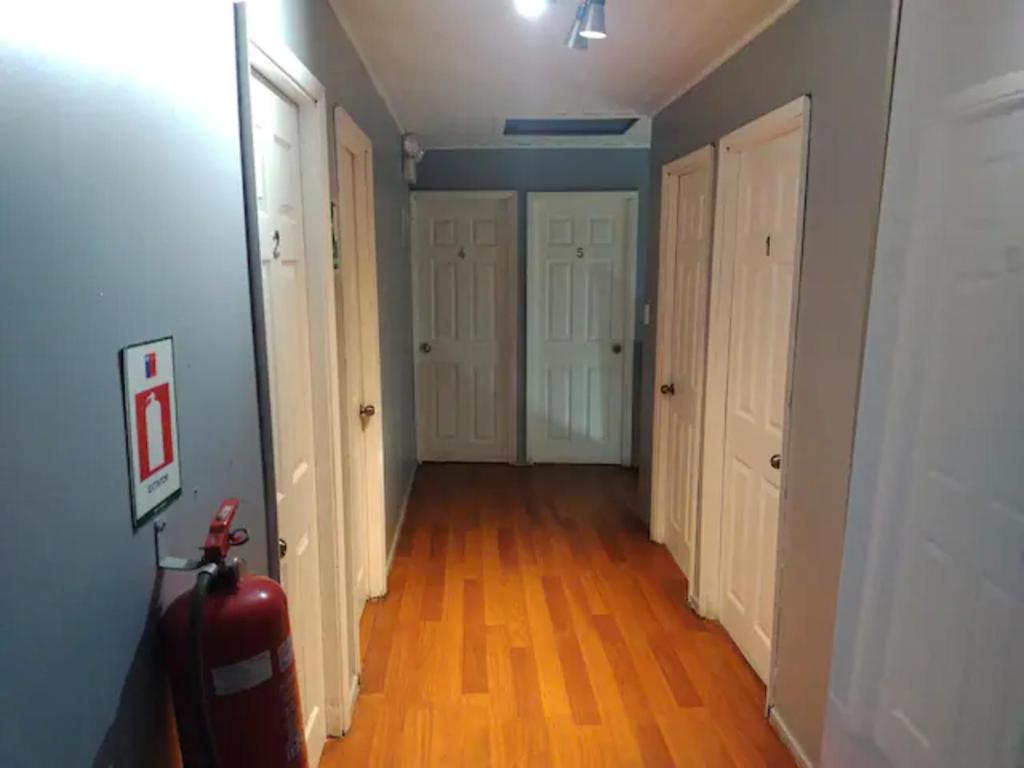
{"x": 598, "y": 126}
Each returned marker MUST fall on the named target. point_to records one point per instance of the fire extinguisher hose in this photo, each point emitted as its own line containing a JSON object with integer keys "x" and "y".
{"x": 197, "y": 667}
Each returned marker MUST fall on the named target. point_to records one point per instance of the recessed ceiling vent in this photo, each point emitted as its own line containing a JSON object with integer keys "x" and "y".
{"x": 559, "y": 126}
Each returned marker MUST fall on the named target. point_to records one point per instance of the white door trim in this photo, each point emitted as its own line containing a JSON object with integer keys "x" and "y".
{"x": 277, "y": 64}
{"x": 629, "y": 306}
{"x": 510, "y": 323}
{"x": 795, "y": 114}
{"x": 661, "y": 477}
{"x": 366, "y": 317}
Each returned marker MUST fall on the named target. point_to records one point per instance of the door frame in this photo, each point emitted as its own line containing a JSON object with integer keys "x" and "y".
{"x": 632, "y": 197}
{"x": 796, "y": 114}
{"x": 510, "y": 323}
{"x": 275, "y": 62}
{"x": 660, "y": 477}
{"x": 365, "y": 278}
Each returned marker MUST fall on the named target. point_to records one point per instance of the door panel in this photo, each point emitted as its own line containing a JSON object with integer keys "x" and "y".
{"x": 444, "y": 298}
{"x": 764, "y": 231}
{"x": 577, "y": 341}
{"x": 558, "y": 317}
{"x": 682, "y": 336}
{"x": 484, "y": 295}
{"x": 283, "y": 259}
{"x": 464, "y": 323}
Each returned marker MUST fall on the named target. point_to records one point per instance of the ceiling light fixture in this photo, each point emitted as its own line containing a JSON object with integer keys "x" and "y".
{"x": 576, "y": 41}
{"x": 531, "y": 9}
{"x": 593, "y": 24}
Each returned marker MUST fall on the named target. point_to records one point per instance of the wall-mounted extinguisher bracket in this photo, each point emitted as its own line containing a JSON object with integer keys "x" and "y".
{"x": 219, "y": 540}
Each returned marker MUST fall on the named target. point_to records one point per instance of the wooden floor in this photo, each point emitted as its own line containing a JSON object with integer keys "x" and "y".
{"x": 530, "y": 622}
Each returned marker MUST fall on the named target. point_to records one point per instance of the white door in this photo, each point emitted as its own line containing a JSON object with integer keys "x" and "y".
{"x": 952, "y": 687}
{"x": 579, "y": 342}
{"x": 283, "y": 256}
{"x": 936, "y": 615}
{"x": 464, "y": 325}
{"x": 763, "y": 230}
{"x": 684, "y": 282}
{"x": 359, "y": 327}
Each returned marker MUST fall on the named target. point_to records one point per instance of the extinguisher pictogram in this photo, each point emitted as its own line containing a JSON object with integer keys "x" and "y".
{"x": 154, "y": 430}
{"x": 153, "y": 417}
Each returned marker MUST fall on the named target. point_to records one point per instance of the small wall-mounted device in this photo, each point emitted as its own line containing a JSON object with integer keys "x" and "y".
{"x": 412, "y": 153}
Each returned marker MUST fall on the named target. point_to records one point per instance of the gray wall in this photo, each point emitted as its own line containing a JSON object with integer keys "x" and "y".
{"x": 311, "y": 29}
{"x": 548, "y": 170}
{"x": 120, "y": 221}
{"x": 840, "y": 52}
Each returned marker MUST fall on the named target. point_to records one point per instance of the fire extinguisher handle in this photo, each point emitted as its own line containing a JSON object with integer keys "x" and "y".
{"x": 238, "y": 537}
{"x": 219, "y": 538}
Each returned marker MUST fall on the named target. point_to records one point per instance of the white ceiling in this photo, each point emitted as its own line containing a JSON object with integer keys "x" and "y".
{"x": 453, "y": 70}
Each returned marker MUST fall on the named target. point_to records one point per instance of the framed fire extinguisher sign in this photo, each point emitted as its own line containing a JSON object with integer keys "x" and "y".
{"x": 151, "y": 426}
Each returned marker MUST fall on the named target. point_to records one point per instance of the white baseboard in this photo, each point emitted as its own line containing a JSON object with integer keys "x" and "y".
{"x": 335, "y": 719}
{"x": 401, "y": 523}
{"x": 788, "y": 739}
{"x": 702, "y": 605}
{"x": 350, "y": 707}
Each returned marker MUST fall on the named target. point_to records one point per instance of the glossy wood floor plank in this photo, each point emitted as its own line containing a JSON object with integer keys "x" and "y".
{"x": 530, "y": 622}
{"x": 474, "y": 639}
{"x": 525, "y": 685}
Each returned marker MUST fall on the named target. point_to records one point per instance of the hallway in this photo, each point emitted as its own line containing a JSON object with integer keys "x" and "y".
{"x": 530, "y": 621}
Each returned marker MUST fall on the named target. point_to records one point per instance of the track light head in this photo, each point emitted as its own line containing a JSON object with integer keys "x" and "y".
{"x": 593, "y": 23}
{"x": 576, "y": 41}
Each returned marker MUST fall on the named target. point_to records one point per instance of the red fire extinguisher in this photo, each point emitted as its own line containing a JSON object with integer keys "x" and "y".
{"x": 230, "y": 660}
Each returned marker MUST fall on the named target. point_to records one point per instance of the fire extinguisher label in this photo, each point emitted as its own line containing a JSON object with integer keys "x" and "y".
{"x": 242, "y": 675}
{"x": 292, "y": 718}
{"x": 285, "y": 655}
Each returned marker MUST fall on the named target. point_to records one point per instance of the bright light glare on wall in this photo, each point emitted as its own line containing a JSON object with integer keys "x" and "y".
{"x": 531, "y": 9}
{"x": 87, "y": 47}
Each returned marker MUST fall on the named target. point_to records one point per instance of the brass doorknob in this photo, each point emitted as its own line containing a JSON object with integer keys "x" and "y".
{"x": 282, "y": 548}
{"x": 775, "y": 460}
{"x": 668, "y": 389}
{"x": 366, "y": 411}
{"x": 616, "y": 348}
{"x": 425, "y": 348}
